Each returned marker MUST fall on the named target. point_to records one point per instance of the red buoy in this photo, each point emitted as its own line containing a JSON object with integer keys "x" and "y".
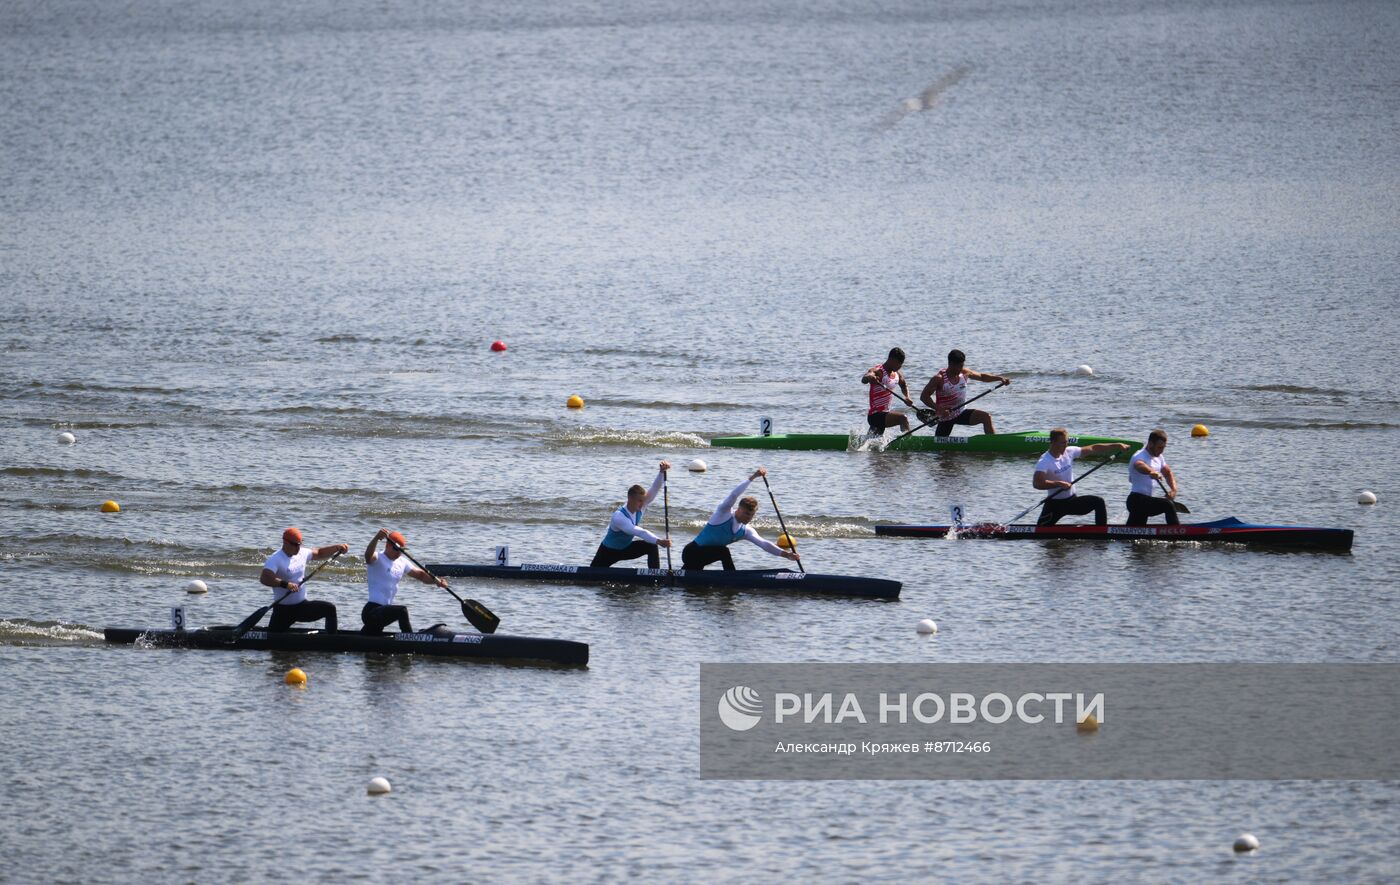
{"x": 498, "y": 346}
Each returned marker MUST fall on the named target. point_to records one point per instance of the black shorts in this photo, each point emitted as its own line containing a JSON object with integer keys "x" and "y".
{"x": 965, "y": 417}
{"x": 876, "y": 420}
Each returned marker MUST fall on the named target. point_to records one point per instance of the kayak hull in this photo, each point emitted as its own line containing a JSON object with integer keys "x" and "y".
{"x": 438, "y": 643}
{"x": 1025, "y": 442}
{"x": 1227, "y": 531}
{"x": 778, "y": 580}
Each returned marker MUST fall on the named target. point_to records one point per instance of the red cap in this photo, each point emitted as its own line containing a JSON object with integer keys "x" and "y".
{"x": 292, "y": 535}
{"x": 398, "y": 539}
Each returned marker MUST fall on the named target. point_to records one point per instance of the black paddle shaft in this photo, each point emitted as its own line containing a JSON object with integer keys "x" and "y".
{"x": 965, "y": 404}
{"x": 1041, "y": 503}
{"x": 478, "y": 615}
{"x": 248, "y": 622}
{"x": 791, "y": 540}
{"x": 666, "y": 510}
{"x": 1176, "y": 505}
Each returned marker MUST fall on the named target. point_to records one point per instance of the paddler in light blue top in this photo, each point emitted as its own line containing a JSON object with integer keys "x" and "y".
{"x": 729, "y": 523}
{"x": 626, "y": 539}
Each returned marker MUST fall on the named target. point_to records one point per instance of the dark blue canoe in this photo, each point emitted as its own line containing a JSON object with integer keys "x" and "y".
{"x": 1229, "y": 530}
{"x": 779, "y": 580}
{"x": 438, "y": 641}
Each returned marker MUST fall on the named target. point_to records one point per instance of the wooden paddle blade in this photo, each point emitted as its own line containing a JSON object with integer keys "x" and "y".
{"x": 1180, "y": 507}
{"x": 479, "y": 616}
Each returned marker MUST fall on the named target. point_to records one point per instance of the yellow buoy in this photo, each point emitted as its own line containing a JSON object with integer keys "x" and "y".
{"x": 111, "y": 507}
{"x": 1200, "y": 430}
{"x": 785, "y": 542}
{"x": 295, "y": 676}
{"x": 1088, "y": 723}
{"x": 575, "y": 402}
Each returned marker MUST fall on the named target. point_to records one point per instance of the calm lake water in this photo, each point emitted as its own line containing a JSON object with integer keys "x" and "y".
{"x": 253, "y": 256}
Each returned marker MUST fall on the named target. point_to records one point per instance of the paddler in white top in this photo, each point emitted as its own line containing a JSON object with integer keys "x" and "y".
{"x": 1145, "y": 470}
{"x": 726, "y": 525}
{"x": 1055, "y": 471}
{"x": 945, "y": 393}
{"x": 284, "y": 571}
{"x": 626, "y": 539}
{"x": 384, "y": 571}
{"x": 880, "y": 377}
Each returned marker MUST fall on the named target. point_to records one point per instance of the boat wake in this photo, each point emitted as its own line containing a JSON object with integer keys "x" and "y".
{"x": 20, "y": 631}
{"x": 602, "y": 436}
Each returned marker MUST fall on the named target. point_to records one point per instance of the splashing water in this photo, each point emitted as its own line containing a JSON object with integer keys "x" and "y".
{"x": 24, "y": 632}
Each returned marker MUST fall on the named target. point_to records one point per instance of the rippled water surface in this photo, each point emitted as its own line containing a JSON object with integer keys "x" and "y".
{"x": 253, "y": 255}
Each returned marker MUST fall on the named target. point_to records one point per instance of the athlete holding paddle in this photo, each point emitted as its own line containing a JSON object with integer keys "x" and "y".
{"x": 284, "y": 571}
{"x": 880, "y": 377}
{"x": 730, "y": 523}
{"x": 626, "y": 539}
{"x": 946, "y": 396}
{"x": 1054, "y": 472}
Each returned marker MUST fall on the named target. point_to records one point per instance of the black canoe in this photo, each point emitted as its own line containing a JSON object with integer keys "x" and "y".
{"x": 438, "y": 641}
{"x": 1228, "y": 530}
{"x": 783, "y": 580}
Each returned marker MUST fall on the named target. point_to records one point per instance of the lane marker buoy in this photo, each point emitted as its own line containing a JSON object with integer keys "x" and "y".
{"x": 498, "y": 345}
{"x": 295, "y": 676}
{"x": 196, "y": 586}
{"x": 1088, "y": 724}
{"x": 926, "y": 627}
{"x": 1200, "y": 430}
{"x": 111, "y": 507}
{"x": 1366, "y": 497}
{"x": 575, "y": 402}
{"x": 67, "y": 438}
{"x": 697, "y": 466}
{"x": 1246, "y": 842}
{"x": 378, "y": 786}
{"x": 1083, "y": 370}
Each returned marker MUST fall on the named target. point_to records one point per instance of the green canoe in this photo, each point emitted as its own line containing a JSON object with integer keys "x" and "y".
{"x": 1023, "y": 442}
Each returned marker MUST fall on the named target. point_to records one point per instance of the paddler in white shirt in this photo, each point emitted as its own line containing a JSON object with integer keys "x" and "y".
{"x": 284, "y": 571}
{"x": 1055, "y": 471}
{"x": 880, "y": 377}
{"x": 384, "y": 571}
{"x": 730, "y": 523}
{"x": 945, "y": 393}
{"x": 1145, "y": 470}
{"x": 626, "y": 539}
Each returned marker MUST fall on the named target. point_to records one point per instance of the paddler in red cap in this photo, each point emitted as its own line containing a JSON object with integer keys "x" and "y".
{"x": 284, "y": 572}
{"x": 384, "y": 571}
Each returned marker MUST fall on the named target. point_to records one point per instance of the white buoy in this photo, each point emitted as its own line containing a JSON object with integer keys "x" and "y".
{"x": 378, "y": 786}
{"x": 1083, "y": 370}
{"x": 1246, "y": 842}
{"x": 196, "y": 586}
{"x": 697, "y": 466}
{"x": 67, "y": 438}
{"x": 927, "y": 627}
{"x": 1366, "y": 497}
